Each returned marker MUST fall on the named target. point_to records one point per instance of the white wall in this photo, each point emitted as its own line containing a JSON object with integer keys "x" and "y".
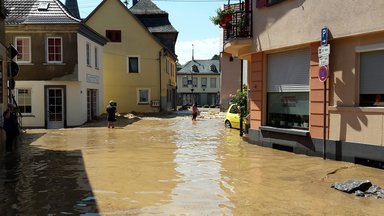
{"x": 76, "y": 102}
{"x": 90, "y": 76}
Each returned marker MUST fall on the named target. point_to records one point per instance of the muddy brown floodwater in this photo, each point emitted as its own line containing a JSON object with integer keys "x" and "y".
{"x": 172, "y": 166}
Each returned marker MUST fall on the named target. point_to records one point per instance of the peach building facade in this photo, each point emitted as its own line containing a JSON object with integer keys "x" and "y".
{"x": 287, "y": 97}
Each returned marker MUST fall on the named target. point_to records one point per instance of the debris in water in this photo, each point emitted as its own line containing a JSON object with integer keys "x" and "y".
{"x": 362, "y": 188}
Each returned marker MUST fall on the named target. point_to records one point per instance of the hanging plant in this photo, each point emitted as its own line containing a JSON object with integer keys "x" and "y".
{"x": 222, "y": 16}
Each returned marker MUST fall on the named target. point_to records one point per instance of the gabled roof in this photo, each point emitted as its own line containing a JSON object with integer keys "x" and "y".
{"x": 138, "y": 21}
{"x": 38, "y": 12}
{"x": 201, "y": 67}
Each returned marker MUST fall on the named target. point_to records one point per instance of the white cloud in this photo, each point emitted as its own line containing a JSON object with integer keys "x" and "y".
{"x": 204, "y": 49}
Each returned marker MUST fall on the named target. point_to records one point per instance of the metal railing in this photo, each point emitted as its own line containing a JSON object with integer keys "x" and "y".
{"x": 240, "y": 25}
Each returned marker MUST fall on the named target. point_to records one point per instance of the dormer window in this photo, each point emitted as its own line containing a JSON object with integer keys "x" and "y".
{"x": 213, "y": 68}
{"x": 43, "y": 6}
{"x": 194, "y": 68}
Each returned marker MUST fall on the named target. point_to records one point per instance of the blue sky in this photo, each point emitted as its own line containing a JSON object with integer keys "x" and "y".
{"x": 190, "y": 18}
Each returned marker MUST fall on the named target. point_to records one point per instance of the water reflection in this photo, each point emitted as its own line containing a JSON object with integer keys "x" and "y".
{"x": 199, "y": 169}
{"x": 36, "y": 181}
{"x": 172, "y": 167}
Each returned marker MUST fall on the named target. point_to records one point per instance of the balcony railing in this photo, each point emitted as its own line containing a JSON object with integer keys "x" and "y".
{"x": 240, "y": 25}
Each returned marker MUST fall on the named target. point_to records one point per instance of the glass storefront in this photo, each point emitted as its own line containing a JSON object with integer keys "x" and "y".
{"x": 288, "y": 109}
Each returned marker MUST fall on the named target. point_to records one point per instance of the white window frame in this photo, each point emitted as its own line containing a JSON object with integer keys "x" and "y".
{"x": 138, "y": 64}
{"x": 195, "y": 82}
{"x": 204, "y": 84}
{"x": 138, "y": 95}
{"x": 215, "y": 81}
{"x": 18, "y": 98}
{"x": 185, "y": 82}
{"x": 21, "y": 53}
{"x": 61, "y": 50}
{"x": 88, "y": 54}
{"x": 96, "y": 57}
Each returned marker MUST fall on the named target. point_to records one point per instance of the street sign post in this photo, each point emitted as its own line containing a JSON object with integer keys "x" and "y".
{"x": 323, "y": 53}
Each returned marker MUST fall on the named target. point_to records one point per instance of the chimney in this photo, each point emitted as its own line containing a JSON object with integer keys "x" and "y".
{"x": 73, "y": 7}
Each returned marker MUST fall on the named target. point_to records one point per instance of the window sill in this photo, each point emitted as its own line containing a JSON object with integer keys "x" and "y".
{"x": 285, "y": 130}
{"x": 144, "y": 103}
{"x": 29, "y": 115}
{"x": 354, "y": 109}
{"x": 54, "y": 63}
{"x": 25, "y": 63}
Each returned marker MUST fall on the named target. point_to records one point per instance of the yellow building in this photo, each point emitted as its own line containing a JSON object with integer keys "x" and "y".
{"x": 139, "y": 69}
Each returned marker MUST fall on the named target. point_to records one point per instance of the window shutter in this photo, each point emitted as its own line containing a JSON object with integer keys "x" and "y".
{"x": 261, "y": 3}
{"x": 372, "y": 72}
{"x": 289, "y": 71}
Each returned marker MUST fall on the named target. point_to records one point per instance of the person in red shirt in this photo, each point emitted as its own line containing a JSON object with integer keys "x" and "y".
{"x": 194, "y": 111}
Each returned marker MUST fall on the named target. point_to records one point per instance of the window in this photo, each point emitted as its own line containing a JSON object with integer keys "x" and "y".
{"x": 288, "y": 89}
{"x": 88, "y": 52}
{"x": 96, "y": 58}
{"x": 213, "y": 82}
{"x": 133, "y": 64}
{"x": 113, "y": 35}
{"x": 195, "y": 68}
{"x": 213, "y": 68}
{"x": 143, "y": 96}
{"x": 54, "y": 50}
{"x": 371, "y": 77}
{"x": 185, "y": 82}
{"x": 194, "y": 81}
{"x": 23, "y": 46}
{"x": 24, "y": 100}
{"x": 204, "y": 82}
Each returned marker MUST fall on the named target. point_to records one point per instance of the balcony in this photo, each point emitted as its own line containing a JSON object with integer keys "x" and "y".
{"x": 237, "y": 31}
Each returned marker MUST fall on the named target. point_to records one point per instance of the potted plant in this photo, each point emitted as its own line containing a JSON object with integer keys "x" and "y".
{"x": 243, "y": 26}
{"x": 222, "y": 16}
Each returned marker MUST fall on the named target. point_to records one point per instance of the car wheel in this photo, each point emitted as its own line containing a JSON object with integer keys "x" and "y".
{"x": 228, "y": 124}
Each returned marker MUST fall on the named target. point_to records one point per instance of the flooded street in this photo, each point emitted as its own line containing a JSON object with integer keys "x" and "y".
{"x": 172, "y": 166}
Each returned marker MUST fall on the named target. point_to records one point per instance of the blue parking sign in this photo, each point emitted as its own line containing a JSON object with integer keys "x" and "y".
{"x": 324, "y": 36}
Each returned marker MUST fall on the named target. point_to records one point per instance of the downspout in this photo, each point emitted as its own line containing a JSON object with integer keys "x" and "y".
{"x": 160, "y": 54}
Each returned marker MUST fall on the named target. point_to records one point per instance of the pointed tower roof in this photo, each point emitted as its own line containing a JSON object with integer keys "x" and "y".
{"x": 146, "y": 7}
{"x": 157, "y": 22}
{"x": 73, "y": 7}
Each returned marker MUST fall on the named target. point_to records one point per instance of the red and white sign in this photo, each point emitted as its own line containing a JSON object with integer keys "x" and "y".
{"x": 323, "y": 73}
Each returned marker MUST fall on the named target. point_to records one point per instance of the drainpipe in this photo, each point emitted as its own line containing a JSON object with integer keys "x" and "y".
{"x": 160, "y": 54}
{"x": 241, "y": 90}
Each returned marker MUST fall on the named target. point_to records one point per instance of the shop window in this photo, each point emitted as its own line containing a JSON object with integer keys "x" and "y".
{"x": 288, "y": 89}
{"x": 288, "y": 109}
{"x": 371, "y": 77}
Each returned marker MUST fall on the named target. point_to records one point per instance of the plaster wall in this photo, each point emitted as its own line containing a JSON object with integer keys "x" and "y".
{"x": 137, "y": 41}
{"x": 300, "y": 21}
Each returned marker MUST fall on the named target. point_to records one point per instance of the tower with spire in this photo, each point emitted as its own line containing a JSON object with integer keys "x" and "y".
{"x": 73, "y": 7}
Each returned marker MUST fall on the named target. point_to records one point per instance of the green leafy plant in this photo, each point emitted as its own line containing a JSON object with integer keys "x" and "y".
{"x": 241, "y": 100}
{"x": 221, "y": 15}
